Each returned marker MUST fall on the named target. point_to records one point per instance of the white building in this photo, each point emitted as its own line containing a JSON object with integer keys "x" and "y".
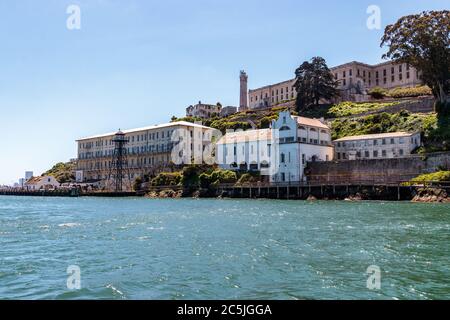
{"x": 377, "y": 146}
{"x": 300, "y": 140}
{"x": 250, "y": 150}
{"x": 42, "y": 183}
{"x": 281, "y": 152}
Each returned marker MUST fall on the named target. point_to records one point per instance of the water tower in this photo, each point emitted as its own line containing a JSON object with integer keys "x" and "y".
{"x": 118, "y": 167}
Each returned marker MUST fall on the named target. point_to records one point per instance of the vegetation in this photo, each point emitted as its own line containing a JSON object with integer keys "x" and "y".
{"x": 314, "y": 81}
{"x": 137, "y": 184}
{"x": 241, "y": 120}
{"x": 422, "y": 41}
{"x": 167, "y": 179}
{"x": 432, "y": 177}
{"x": 378, "y": 93}
{"x": 216, "y": 177}
{"x": 435, "y": 131}
{"x": 249, "y": 178}
{"x": 410, "y": 92}
{"x": 345, "y": 109}
{"x": 63, "y": 172}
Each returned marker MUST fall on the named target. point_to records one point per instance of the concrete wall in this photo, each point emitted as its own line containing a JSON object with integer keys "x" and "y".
{"x": 376, "y": 170}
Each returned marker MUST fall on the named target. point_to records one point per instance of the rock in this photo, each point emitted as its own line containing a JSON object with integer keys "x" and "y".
{"x": 311, "y": 198}
{"x": 430, "y": 195}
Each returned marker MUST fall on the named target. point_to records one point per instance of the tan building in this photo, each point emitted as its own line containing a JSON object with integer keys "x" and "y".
{"x": 270, "y": 95}
{"x": 148, "y": 149}
{"x": 376, "y": 146}
{"x": 362, "y": 77}
{"x": 354, "y": 78}
{"x": 202, "y": 110}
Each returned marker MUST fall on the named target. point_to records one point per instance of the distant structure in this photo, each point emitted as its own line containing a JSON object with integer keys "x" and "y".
{"x": 204, "y": 111}
{"x": 119, "y": 163}
{"x": 28, "y": 175}
{"x": 228, "y": 110}
{"x": 243, "y": 101}
{"x": 355, "y": 79}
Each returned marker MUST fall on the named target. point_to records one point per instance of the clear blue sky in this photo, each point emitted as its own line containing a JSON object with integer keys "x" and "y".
{"x": 138, "y": 62}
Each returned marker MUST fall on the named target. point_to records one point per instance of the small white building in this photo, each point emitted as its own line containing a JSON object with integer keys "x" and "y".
{"x": 42, "y": 183}
{"x": 281, "y": 152}
{"x": 301, "y": 140}
{"x": 377, "y": 146}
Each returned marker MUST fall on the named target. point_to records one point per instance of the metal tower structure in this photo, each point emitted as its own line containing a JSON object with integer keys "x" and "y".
{"x": 118, "y": 166}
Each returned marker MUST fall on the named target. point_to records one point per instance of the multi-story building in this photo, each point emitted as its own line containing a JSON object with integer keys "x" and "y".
{"x": 376, "y": 146}
{"x": 353, "y": 77}
{"x": 281, "y": 152}
{"x": 148, "y": 150}
{"x": 202, "y": 110}
{"x": 273, "y": 94}
{"x": 387, "y": 75}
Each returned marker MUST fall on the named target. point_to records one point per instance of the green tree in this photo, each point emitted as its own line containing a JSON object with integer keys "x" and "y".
{"x": 314, "y": 81}
{"x": 422, "y": 40}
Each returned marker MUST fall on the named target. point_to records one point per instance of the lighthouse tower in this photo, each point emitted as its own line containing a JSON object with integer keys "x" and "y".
{"x": 243, "y": 102}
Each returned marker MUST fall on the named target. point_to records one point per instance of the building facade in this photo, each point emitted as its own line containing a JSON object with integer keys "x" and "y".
{"x": 301, "y": 140}
{"x": 281, "y": 152}
{"x": 228, "y": 110}
{"x": 202, "y": 110}
{"x": 271, "y": 95}
{"x": 353, "y": 78}
{"x": 148, "y": 150}
{"x": 376, "y": 146}
{"x": 42, "y": 183}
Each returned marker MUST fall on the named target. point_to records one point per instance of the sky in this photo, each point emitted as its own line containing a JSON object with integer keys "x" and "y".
{"x": 135, "y": 63}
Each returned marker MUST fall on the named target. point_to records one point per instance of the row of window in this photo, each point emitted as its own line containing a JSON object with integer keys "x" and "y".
{"x": 151, "y": 161}
{"x": 376, "y": 142}
{"x": 358, "y": 72}
{"x": 132, "y": 150}
{"x": 367, "y": 154}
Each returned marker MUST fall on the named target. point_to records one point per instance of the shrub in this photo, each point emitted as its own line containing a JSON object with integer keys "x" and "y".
{"x": 137, "y": 184}
{"x": 436, "y": 176}
{"x": 410, "y": 92}
{"x": 348, "y": 108}
{"x": 377, "y": 93}
{"x": 167, "y": 179}
{"x": 249, "y": 178}
{"x": 217, "y": 177}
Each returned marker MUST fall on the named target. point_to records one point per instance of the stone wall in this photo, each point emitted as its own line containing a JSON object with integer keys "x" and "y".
{"x": 376, "y": 170}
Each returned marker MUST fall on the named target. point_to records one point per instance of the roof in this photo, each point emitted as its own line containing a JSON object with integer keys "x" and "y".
{"x": 246, "y": 136}
{"x": 36, "y": 180}
{"x": 166, "y": 125}
{"x": 310, "y": 122}
{"x": 377, "y": 136}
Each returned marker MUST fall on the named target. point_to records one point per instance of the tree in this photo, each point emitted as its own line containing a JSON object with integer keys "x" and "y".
{"x": 314, "y": 81}
{"x": 422, "y": 40}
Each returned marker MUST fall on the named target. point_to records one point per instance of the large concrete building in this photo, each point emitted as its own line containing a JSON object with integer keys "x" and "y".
{"x": 149, "y": 149}
{"x": 281, "y": 152}
{"x": 376, "y": 146}
{"x": 354, "y": 78}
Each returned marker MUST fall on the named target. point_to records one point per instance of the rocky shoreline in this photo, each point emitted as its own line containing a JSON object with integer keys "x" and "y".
{"x": 418, "y": 194}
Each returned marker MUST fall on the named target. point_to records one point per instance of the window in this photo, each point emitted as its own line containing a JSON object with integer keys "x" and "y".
{"x": 303, "y": 158}
{"x": 375, "y": 142}
{"x": 383, "y": 141}
{"x": 283, "y": 158}
{"x": 366, "y": 154}
{"x": 375, "y": 153}
{"x": 392, "y": 141}
{"x": 400, "y": 151}
{"x": 383, "y": 153}
{"x": 339, "y": 156}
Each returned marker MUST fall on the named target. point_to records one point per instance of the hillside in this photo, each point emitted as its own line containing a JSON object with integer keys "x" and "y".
{"x": 63, "y": 172}
{"x": 345, "y": 119}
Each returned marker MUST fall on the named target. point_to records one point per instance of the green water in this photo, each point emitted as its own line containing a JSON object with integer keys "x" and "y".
{"x": 222, "y": 249}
